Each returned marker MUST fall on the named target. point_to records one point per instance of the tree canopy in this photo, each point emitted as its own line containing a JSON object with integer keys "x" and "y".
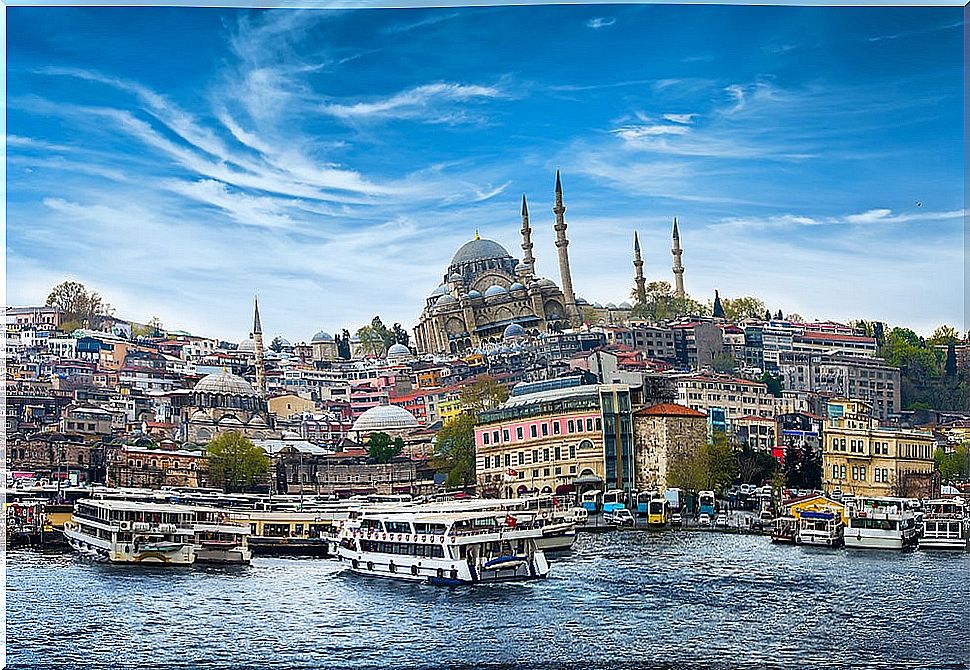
{"x": 483, "y": 394}
{"x": 455, "y": 451}
{"x": 235, "y": 464}
{"x": 714, "y": 467}
{"x": 80, "y": 306}
{"x": 747, "y": 307}
{"x": 662, "y": 304}
{"x": 382, "y": 448}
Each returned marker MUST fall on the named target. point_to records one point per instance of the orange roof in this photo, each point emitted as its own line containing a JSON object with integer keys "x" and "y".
{"x": 668, "y": 409}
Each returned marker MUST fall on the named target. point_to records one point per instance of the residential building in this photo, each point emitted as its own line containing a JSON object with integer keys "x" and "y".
{"x": 866, "y": 378}
{"x": 696, "y": 343}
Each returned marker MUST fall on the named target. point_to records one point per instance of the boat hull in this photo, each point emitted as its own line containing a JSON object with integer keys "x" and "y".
{"x": 441, "y": 571}
{"x": 944, "y": 543}
{"x": 897, "y": 542}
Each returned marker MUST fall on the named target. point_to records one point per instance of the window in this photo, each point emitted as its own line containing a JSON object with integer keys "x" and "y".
{"x": 484, "y": 438}
{"x": 535, "y": 473}
{"x": 558, "y": 453}
{"x": 572, "y": 451}
{"x": 545, "y": 472}
{"x": 545, "y": 454}
{"x": 505, "y": 435}
{"x": 855, "y": 473}
{"x": 518, "y": 433}
{"x": 835, "y": 472}
{"x": 545, "y": 429}
{"x": 570, "y": 426}
{"x": 521, "y": 458}
{"x": 494, "y": 437}
{"x": 508, "y": 460}
{"x": 497, "y": 461}
{"x": 556, "y": 428}
{"x": 862, "y": 473}
{"x": 533, "y": 431}
{"x": 876, "y": 475}
{"x": 579, "y": 425}
{"x": 589, "y": 424}
{"x": 599, "y": 424}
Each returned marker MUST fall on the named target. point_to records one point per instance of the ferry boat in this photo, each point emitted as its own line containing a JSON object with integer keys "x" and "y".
{"x": 218, "y": 539}
{"x": 820, "y": 527}
{"x": 124, "y": 531}
{"x": 784, "y": 530}
{"x": 945, "y": 524}
{"x": 879, "y": 523}
{"x": 444, "y": 548}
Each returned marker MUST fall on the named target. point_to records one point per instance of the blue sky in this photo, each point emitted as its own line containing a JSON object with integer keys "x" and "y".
{"x": 179, "y": 160}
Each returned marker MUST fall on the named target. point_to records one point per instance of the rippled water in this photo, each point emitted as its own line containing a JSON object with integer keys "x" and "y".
{"x": 632, "y": 599}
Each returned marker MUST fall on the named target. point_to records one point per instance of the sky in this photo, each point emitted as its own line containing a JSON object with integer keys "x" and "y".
{"x": 181, "y": 160}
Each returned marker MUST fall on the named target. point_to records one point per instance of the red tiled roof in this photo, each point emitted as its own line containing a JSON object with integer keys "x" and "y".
{"x": 668, "y": 409}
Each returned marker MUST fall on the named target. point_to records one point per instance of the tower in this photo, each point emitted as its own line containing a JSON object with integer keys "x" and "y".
{"x": 527, "y": 258}
{"x": 572, "y": 313}
{"x": 678, "y": 268}
{"x": 638, "y": 264}
{"x": 718, "y": 312}
{"x": 258, "y": 346}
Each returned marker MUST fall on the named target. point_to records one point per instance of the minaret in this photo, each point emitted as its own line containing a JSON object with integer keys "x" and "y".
{"x": 638, "y": 264}
{"x": 572, "y": 313}
{"x": 678, "y": 268}
{"x": 527, "y": 258}
{"x": 718, "y": 311}
{"x": 258, "y": 346}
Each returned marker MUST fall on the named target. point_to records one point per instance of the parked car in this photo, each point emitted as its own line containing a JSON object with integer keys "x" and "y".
{"x": 704, "y": 519}
{"x": 721, "y": 521}
{"x": 676, "y": 519}
{"x": 766, "y": 515}
{"x": 578, "y": 515}
{"x": 620, "y": 517}
{"x": 747, "y": 489}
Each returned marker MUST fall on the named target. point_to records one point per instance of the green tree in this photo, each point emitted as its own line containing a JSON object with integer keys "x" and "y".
{"x": 662, "y": 304}
{"x": 746, "y": 307}
{"x": 78, "y": 304}
{"x": 371, "y": 341}
{"x": 774, "y": 384}
{"x": 157, "y": 329}
{"x": 950, "y": 366}
{"x": 234, "y": 462}
{"x": 944, "y": 335}
{"x": 277, "y": 344}
{"x": 483, "y": 394}
{"x": 382, "y": 448}
{"x": 455, "y": 451}
{"x": 401, "y": 336}
{"x": 687, "y": 472}
{"x": 343, "y": 345}
{"x": 755, "y": 466}
{"x": 721, "y": 463}
{"x": 724, "y": 362}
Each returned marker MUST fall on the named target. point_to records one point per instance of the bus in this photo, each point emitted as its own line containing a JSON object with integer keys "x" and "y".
{"x": 658, "y": 515}
{"x": 591, "y": 501}
{"x": 613, "y": 499}
{"x": 643, "y": 501}
{"x": 706, "y": 503}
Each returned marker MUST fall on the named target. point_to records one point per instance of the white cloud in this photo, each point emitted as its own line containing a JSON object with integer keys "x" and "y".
{"x": 416, "y": 103}
{"x": 600, "y": 22}
{"x": 680, "y": 118}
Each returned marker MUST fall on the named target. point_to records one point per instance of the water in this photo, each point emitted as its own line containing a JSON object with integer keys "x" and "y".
{"x": 619, "y": 600}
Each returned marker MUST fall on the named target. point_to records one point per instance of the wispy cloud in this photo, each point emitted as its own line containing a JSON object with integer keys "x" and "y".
{"x": 600, "y": 22}
{"x": 432, "y": 20}
{"x": 874, "y": 216}
{"x": 914, "y": 33}
{"x": 417, "y": 103}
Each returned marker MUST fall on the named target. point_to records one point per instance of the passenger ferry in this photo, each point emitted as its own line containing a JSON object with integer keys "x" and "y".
{"x": 944, "y": 524}
{"x": 445, "y": 548}
{"x": 879, "y": 523}
{"x": 218, "y": 539}
{"x": 124, "y": 531}
{"x": 820, "y": 527}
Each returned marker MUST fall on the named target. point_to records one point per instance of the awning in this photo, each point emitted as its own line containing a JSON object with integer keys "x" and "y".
{"x": 588, "y": 479}
{"x": 565, "y": 488}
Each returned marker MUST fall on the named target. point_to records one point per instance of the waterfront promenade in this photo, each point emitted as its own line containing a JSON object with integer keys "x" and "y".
{"x": 618, "y": 600}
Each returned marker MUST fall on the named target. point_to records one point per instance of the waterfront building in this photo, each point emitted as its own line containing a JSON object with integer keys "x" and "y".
{"x": 664, "y": 434}
{"x": 866, "y": 378}
{"x": 485, "y": 289}
{"x": 170, "y": 464}
{"x": 861, "y": 458}
{"x": 552, "y": 436}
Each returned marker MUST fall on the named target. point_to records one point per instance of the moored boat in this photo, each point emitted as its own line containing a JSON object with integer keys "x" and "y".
{"x": 122, "y": 531}
{"x": 945, "y": 524}
{"x": 820, "y": 527}
{"x": 879, "y": 523}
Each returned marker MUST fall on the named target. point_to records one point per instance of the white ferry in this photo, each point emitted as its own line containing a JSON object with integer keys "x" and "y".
{"x": 124, "y": 531}
{"x": 820, "y": 527}
{"x": 443, "y": 548}
{"x": 218, "y": 539}
{"x": 879, "y": 523}
{"x": 944, "y": 524}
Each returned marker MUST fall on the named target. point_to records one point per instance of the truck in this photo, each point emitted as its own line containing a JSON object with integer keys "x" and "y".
{"x": 707, "y": 503}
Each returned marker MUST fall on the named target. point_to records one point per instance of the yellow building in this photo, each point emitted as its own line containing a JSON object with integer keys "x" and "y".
{"x": 860, "y": 458}
{"x": 450, "y": 409}
{"x": 285, "y": 406}
{"x": 815, "y": 504}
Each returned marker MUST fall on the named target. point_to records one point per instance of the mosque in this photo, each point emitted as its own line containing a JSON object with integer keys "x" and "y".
{"x": 486, "y": 290}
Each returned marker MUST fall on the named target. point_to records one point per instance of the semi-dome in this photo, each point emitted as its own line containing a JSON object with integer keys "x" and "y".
{"x": 446, "y": 299}
{"x": 477, "y": 250}
{"x": 582, "y": 301}
{"x": 494, "y": 290}
{"x": 455, "y": 277}
{"x": 322, "y": 337}
{"x": 441, "y": 290}
{"x": 398, "y": 349}
{"x": 597, "y": 305}
{"x": 225, "y": 382}
{"x": 517, "y": 286}
{"x": 521, "y": 267}
{"x": 383, "y": 418}
{"x": 474, "y": 294}
{"x": 546, "y": 282}
{"x": 513, "y": 330}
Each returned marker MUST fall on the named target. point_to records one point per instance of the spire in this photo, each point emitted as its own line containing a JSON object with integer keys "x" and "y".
{"x": 258, "y": 350}
{"x": 718, "y": 311}
{"x": 572, "y": 312}
{"x": 638, "y": 265}
{"x": 257, "y": 326}
{"x": 678, "y": 267}
{"x": 527, "y": 258}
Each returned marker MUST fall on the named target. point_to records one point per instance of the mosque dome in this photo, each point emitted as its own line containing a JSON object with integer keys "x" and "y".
{"x": 610, "y": 305}
{"x": 494, "y": 290}
{"x": 517, "y": 286}
{"x": 625, "y": 305}
{"x": 446, "y": 299}
{"x": 284, "y": 342}
{"x": 513, "y": 330}
{"x": 477, "y": 250}
{"x": 322, "y": 337}
{"x": 247, "y": 346}
{"x": 582, "y": 301}
{"x": 384, "y": 417}
{"x": 398, "y": 350}
{"x": 225, "y": 382}
{"x": 474, "y": 294}
{"x": 597, "y": 305}
{"x": 441, "y": 290}
{"x": 547, "y": 282}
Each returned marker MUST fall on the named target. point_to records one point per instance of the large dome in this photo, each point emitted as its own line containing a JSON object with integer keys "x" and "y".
{"x": 225, "y": 382}
{"x": 322, "y": 336}
{"x": 397, "y": 350}
{"x": 477, "y": 250}
{"x": 384, "y": 417}
{"x": 247, "y": 346}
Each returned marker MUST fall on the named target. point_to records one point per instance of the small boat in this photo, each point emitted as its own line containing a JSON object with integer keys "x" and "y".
{"x": 820, "y": 528}
{"x": 784, "y": 530}
{"x": 945, "y": 525}
{"x": 506, "y": 563}
{"x": 880, "y": 523}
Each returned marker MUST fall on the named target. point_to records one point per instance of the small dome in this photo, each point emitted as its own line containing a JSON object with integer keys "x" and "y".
{"x": 198, "y": 416}
{"x": 582, "y": 301}
{"x": 446, "y": 299}
{"x": 230, "y": 420}
{"x": 610, "y": 305}
{"x": 225, "y": 382}
{"x": 625, "y": 305}
{"x": 322, "y": 337}
{"x": 474, "y": 294}
{"x": 513, "y": 330}
{"x": 384, "y": 417}
{"x": 398, "y": 350}
{"x": 547, "y": 282}
{"x": 494, "y": 290}
{"x": 441, "y": 290}
{"x": 455, "y": 277}
{"x": 258, "y": 422}
{"x": 521, "y": 267}
{"x": 517, "y": 287}
{"x": 478, "y": 250}
{"x": 283, "y": 342}
{"x": 597, "y": 305}
{"x": 247, "y": 346}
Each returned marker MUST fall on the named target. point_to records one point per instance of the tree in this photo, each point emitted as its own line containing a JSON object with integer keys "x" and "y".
{"x": 724, "y": 362}
{"x": 78, "y": 304}
{"x": 381, "y": 448}
{"x": 810, "y": 469}
{"x": 157, "y": 329}
{"x": 747, "y": 307}
{"x": 234, "y": 462}
{"x": 795, "y": 317}
{"x": 792, "y": 469}
{"x": 773, "y": 383}
{"x": 455, "y": 451}
{"x": 720, "y": 462}
{"x": 662, "y": 304}
{"x": 343, "y": 345}
{"x": 483, "y": 394}
{"x": 588, "y": 315}
{"x": 944, "y": 335}
{"x": 879, "y": 332}
{"x": 401, "y": 336}
{"x": 371, "y": 341}
{"x": 767, "y": 315}
{"x": 950, "y": 367}
{"x": 780, "y": 316}
{"x": 277, "y": 344}
{"x": 755, "y": 466}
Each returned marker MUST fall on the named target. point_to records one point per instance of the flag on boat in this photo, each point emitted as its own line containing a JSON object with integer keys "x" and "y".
{"x": 510, "y": 521}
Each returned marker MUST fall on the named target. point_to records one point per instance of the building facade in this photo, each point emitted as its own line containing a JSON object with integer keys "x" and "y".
{"x": 664, "y": 435}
